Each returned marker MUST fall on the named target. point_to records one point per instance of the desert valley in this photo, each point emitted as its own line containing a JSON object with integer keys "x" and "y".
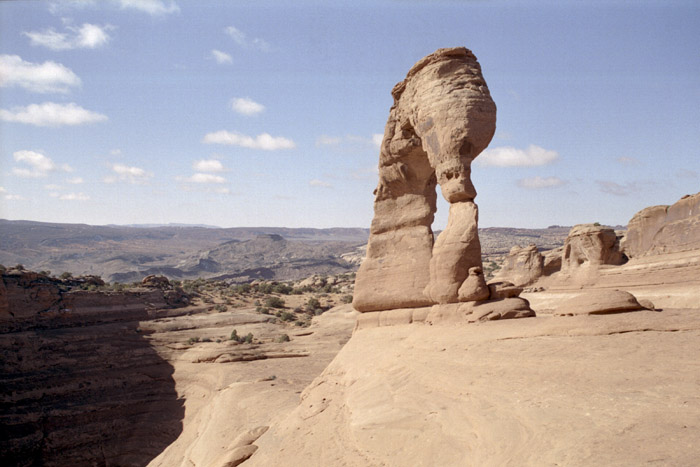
{"x": 421, "y": 338}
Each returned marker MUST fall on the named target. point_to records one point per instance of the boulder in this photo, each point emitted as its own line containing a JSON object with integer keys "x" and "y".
{"x": 598, "y": 302}
{"x": 522, "y": 266}
{"x": 589, "y": 246}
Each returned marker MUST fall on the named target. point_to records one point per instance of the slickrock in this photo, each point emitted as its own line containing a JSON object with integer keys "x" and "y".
{"x": 620, "y": 389}
{"x": 665, "y": 229}
{"x": 442, "y": 118}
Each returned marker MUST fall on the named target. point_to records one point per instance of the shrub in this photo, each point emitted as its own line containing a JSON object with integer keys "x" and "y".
{"x": 248, "y": 339}
{"x": 283, "y": 338}
{"x": 234, "y": 336}
{"x": 274, "y": 302}
{"x": 313, "y": 303}
{"x": 265, "y": 288}
{"x": 346, "y": 299}
{"x": 192, "y": 340}
{"x": 241, "y": 288}
{"x": 66, "y": 275}
{"x": 318, "y": 311}
{"x": 206, "y": 339}
{"x": 283, "y": 289}
{"x": 221, "y": 308}
{"x": 287, "y": 316}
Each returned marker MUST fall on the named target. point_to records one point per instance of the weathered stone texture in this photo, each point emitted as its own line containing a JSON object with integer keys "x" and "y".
{"x": 665, "y": 229}
{"x": 442, "y": 118}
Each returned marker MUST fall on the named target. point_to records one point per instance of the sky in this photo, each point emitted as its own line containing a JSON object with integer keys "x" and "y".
{"x": 270, "y": 113}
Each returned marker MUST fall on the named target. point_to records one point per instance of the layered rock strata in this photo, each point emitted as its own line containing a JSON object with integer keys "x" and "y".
{"x": 80, "y": 382}
{"x": 442, "y": 118}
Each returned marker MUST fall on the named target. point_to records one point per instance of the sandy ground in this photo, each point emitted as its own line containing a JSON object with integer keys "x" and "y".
{"x": 609, "y": 390}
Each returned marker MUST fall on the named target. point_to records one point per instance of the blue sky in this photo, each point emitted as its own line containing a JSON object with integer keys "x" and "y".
{"x": 268, "y": 113}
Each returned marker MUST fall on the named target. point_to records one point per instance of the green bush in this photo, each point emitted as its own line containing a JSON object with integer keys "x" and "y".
{"x": 234, "y": 336}
{"x": 346, "y": 299}
{"x": 241, "y": 288}
{"x": 274, "y": 302}
{"x": 283, "y": 289}
{"x": 313, "y": 303}
{"x": 192, "y": 340}
{"x": 248, "y": 339}
{"x": 287, "y": 316}
{"x": 283, "y": 338}
{"x": 221, "y": 308}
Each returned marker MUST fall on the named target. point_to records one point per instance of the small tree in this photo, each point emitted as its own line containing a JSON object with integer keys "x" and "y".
{"x": 234, "y": 336}
{"x": 66, "y": 275}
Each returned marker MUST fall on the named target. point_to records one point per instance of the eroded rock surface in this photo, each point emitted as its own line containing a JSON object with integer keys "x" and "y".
{"x": 522, "y": 266}
{"x": 589, "y": 246}
{"x": 665, "y": 229}
{"x": 81, "y": 384}
{"x": 442, "y": 118}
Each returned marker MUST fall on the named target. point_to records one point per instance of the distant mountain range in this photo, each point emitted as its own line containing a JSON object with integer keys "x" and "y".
{"x": 128, "y": 253}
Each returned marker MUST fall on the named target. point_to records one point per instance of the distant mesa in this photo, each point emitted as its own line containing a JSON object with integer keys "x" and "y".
{"x": 443, "y": 117}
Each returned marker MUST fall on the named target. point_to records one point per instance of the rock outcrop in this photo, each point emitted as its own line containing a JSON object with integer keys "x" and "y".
{"x": 81, "y": 383}
{"x": 589, "y": 246}
{"x": 665, "y": 229}
{"x": 522, "y": 266}
{"x": 442, "y": 118}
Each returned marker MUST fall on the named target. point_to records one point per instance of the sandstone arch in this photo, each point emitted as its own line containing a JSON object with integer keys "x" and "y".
{"x": 442, "y": 118}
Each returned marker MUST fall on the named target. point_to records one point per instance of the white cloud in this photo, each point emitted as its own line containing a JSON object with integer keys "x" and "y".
{"x": 325, "y": 140}
{"x": 75, "y": 180}
{"x": 221, "y": 58}
{"x": 87, "y": 36}
{"x": 263, "y": 141}
{"x": 35, "y": 165}
{"x": 3, "y": 190}
{"x": 627, "y": 160}
{"x": 241, "y": 38}
{"x": 14, "y": 197}
{"x": 204, "y": 178}
{"x": 51, "y": 114}
{"x": 246, "y": 106}
{"x": 45, "y": 77}
{"x": 74, "y": 197}
{"x": 320, "y": 183}
{"x": 53, "y": 186}
{"x": 508, "y": 156}
{"x": 124, "y": 173}
{"x": 626, "y": 189}
{"x": 536, "y": 183}
{"x": 208, "y": 165}
{"x": 152, "y": 7}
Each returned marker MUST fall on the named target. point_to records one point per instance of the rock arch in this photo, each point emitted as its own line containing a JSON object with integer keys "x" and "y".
{"x": 442, "y": 118}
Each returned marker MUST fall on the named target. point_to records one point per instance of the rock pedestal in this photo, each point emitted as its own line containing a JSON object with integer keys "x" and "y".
{"x": 443, "y": 117}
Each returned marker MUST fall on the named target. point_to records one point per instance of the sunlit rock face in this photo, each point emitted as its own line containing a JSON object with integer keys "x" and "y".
{"x": 442, "y": 118}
